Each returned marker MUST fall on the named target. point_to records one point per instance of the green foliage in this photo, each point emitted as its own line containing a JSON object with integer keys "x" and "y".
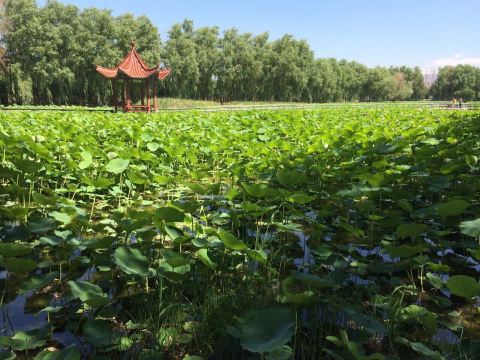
{"x": 117, "y": 166}
{"x": 68, "y": 42}
{"x": 471, "y": 228}
{"x": 308, "y": 222}
{"x": 461, "y": 81}
{"x": 131, "y": 261}
{"x": 465, "y": 286}
{"x": 265, "y": 330}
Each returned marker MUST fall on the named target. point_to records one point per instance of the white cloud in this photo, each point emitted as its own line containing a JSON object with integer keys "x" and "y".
{"x": 452, "y": 61}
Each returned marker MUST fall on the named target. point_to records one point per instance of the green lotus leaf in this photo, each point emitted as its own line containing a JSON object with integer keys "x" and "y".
{"x": 63, "y": 218}
{"x": 117, "y": 166}
{"x": 163, "y": 180}
{"x": 257, "y": 190}
{"x": 438, "y": 267}
{"x": 295, "y": 294}
{"x": 19, "y": 265}
{"x": 198, "y": 189}
{"x": 153, "y": 146}
{"x": 87, "y": 160}
{"x": 173, "y": 232}
{"x": 51, "y": 240}
{"x": 471, "y": 228}
{"x": 464, "y": 286}
{"x": 38, "y": 281}
{"x": 290, "y": 178}
{"x": 131, "y": 261}
{"x": 14, "y": 249}
{"x": 170, "y": 214}
{"x": 452, "y": 208}
{"x": 265, "y": 330}
{"x": 100, "y": 182}
{"x": 28, "y": 166}
{"x": 102, "y": 243}
{"x": 230, "y": 241}
{"x": 202, "y": 254}
{"x": 88, "y": 293}
{"x": 98, "y": 332}
{"x": 411, "y": 230}
{"x": 313, "y": 280}
{"x": 435, "y": 280}
{"x": 257, "y": 255}
{"x": 28, "y": 340}
{"x": 42, "y": 225}
{"x": 420, "y": 348}
{"x": 173, "y": 258}
{"x": 374, "y": 180}
{"x": 471, "y": 160}
{"x": 69, "y": 353}
{"x": 405, "y": 205}
{"x": 403, "y": 251}
{"x": 301, "y": 197}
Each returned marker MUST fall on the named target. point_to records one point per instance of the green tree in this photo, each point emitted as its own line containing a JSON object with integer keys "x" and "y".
{"x": 397, "y": 87}
{"x": 180, "y": 54}
{"x": 207, "y": 55}
{"x": 415, "y": 77}
{"x": 3, "y": 54}
{"x": 291, "y": 62}
{"x": 461, "y": 81}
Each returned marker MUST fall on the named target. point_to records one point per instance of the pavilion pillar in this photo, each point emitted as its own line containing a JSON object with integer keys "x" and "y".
{"x": 128, "y": 94}
{"x": 124, "y": 93}
{"x": 147, "y": 90}
{"x": 114, "y": 94}
{"x": 155, "y": 94}
{"x": 142, "y": 94}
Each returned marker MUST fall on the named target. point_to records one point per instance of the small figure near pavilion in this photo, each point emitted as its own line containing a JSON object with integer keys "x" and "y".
{"x": 132, "y": 70}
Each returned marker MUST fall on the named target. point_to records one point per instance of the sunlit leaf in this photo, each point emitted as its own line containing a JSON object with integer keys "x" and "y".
{"x": 471, "y": 228}
{"x": 204, "y": 258}
{"x": 230, "y": 241}
{"x": 131, "y": 261}
{"x": 464, "y": 286}
{"x": 117, "y": 166}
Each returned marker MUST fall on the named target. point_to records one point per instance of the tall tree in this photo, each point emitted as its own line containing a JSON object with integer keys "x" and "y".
{"x": 52, "y": 50}
{"x": 461, "y": 81}
{"x": 291, "y": 61}
{"x": 3, "y": 54}
{"x": 397, "y": 87}
{"x": 207, "y": 55}
{"x": 180, "y": 54}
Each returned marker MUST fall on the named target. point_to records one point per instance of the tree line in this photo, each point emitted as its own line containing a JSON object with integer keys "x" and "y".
{"x": 47, "y": 56}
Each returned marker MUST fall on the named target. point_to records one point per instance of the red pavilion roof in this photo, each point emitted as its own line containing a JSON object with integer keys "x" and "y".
{"x": 133, "y": 67}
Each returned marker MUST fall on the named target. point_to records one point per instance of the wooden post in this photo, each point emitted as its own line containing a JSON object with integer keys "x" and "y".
{"x": 124, "y": 94}
{"x": 114, "y": 93}
{"x": 128, "y": 94}
{"x": 155, "y": 94}
{"x": 142, "y": 94}
{"x": 147, "y": 89}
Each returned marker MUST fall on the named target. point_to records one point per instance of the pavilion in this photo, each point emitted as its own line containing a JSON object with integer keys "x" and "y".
{"x": 132, "y": 71}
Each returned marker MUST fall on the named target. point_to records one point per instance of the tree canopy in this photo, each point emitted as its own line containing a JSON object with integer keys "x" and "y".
{"x": 47, "y": 56}
{"x": 461, "y": 81}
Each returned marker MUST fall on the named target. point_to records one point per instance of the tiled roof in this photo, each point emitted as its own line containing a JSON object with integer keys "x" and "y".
{"x": 133, "y": 67}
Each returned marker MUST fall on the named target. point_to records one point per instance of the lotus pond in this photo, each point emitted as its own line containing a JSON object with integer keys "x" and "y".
{"x": 322, "y": 234}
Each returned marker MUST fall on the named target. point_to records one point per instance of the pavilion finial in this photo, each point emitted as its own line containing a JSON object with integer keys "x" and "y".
{"x": 133, "y": 44}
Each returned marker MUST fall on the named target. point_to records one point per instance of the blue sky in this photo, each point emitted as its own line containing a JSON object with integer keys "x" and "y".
{"x": 427, "y": 33}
